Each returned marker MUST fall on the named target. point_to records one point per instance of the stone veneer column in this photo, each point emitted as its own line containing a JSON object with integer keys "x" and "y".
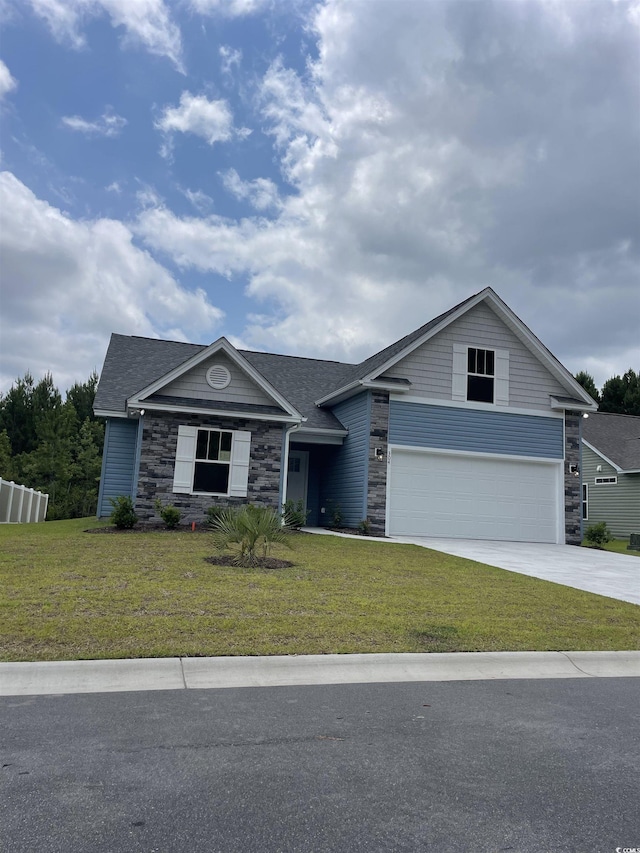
{"x": 572, "y": 484}
{"x": 377, "y": 485}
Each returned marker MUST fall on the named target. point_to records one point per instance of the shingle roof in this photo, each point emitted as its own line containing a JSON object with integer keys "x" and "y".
{"x": 616, "y": 436}
{"x": 132, "y": 363}
{"x": 376, "y": 361}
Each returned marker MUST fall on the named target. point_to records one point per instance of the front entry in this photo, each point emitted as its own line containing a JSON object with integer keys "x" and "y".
{"x": 298, "y": 476}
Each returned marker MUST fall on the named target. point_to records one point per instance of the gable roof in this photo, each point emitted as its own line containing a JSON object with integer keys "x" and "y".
{"x": 137, "y": 368}
{"x": 372, "y": 368}
{"x": 614, "y": 437}
{"x": 154, "y": 389}
{"x": 134, "y": 364}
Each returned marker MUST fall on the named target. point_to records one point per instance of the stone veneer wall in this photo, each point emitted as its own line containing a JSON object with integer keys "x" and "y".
{"x": 377, "y": 485}
{"x": 157, "y": 460}
{"x": 572, "y": 484}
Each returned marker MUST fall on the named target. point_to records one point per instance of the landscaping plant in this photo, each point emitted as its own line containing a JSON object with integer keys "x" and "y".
{"x": 294, "y": 514}
{"x": 123, "y": 515}
{"x": 170, "y": 514}
{"x": 250, "y": 532}
{"x": 598, "y": 535}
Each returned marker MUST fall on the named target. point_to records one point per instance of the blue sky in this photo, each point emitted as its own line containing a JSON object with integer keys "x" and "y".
{"x": 315, "y": 178}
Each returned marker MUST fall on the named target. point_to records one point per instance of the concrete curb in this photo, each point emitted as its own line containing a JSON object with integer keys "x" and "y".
{"x": 105, "y": 676}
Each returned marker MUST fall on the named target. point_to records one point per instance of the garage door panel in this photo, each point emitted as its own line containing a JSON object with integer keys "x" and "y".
{"x": 432, "y": 494}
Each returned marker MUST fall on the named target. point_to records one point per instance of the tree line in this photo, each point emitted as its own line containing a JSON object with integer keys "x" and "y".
{"x": 620, "y": 394}
{"x": 53, "y": 445}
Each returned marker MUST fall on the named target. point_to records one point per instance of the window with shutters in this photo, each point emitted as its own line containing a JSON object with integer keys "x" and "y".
{"x": 480, "y": 375}
{"x": 213, "y": 461}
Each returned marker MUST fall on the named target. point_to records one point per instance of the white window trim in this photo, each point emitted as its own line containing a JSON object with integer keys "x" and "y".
{"x": 611, "y": 480}
{"x": 185, "y": 461}
{"x": 460, "y": 375}
{"x": 585, "y": 502}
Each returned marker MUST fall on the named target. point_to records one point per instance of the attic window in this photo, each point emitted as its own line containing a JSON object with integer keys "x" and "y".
{"x": 218, "y": 377}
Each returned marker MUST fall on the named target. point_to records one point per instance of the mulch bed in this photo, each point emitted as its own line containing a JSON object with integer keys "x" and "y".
{"x": 150, "y": 528}
{"x": 259, "y": 563}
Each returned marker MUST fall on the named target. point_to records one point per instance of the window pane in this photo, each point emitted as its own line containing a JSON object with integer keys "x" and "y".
{"x": 211, "y": 477}
{"x": 480, "y": 361}
{"x": 214, "y": 445}
{"x": 225, "y": 447}
{"x": 471, "y": 360}
{"x": 480, "y": 389}
{"x": 490, "y": 370}
{"x": 201, "y": 446}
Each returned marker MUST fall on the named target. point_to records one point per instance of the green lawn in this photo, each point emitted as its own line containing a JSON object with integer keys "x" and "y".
{"x": 66, "y": 594}
{"x": 620, "y": 547}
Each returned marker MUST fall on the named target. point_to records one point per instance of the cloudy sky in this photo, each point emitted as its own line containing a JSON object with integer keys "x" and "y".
{"x": 315, "y": 178}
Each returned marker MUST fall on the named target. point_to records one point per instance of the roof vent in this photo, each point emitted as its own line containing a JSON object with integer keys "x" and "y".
{"x": 218, "y": 377}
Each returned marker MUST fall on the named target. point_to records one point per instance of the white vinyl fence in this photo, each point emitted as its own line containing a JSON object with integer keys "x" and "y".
{"x": 20, "y": 505}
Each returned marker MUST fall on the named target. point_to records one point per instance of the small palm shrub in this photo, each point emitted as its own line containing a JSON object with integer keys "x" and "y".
{"x": 170, "y": 514}
{"x": 250, "y": 532}
{"x": 123, "y": 515}
{"x": 598, "y": 534}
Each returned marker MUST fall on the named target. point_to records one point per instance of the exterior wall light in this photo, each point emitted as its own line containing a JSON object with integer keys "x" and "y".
{"x": 379, "y": 454}
{"x": 575, "y": 470}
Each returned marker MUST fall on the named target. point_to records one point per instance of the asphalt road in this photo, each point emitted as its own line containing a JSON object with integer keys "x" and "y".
{"x": 522, "y": 765}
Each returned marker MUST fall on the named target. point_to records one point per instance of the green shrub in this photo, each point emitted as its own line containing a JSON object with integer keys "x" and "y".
{"x": 598, "y": 534}
{"x": 214, "y": 512}
{"x": 123, "y": 515}
{"x": 365, "y": 527}
{"x": 294, "y": 514}
{"x": 335, "y": 510}
{"x": 170, "y": 514}
{"x": 250, "y": 531}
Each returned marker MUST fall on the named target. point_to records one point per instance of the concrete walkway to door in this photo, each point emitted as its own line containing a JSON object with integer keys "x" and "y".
{"x": 602, "y": 572}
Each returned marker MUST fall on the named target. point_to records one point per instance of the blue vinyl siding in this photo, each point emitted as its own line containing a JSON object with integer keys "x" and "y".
{"x": 345, "y": 478}
{"x": 449, "y": 428}
{"x": 119, "y": 462}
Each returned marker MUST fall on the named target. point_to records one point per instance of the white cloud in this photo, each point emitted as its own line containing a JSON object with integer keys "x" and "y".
{"x": 211, "y": 120}
{"x": 146, "y": 22}
{"x": 109, "y": 124}
{"x": 68, "y": 284}
{"x": 200, "y": 200}
{"x": 261, "y": 192}
{"x": 434, "y": 149}
{"x": 228, "y": 8}
{"x": 229, "y": 58}
{"x": 7, "y": 82}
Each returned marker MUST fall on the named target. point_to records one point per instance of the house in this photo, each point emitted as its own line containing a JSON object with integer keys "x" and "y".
{"x": 611, "y": 472}
{"x": 467, "y": 427}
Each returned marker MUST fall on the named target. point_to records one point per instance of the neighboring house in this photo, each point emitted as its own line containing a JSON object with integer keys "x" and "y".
{"x": 468, "y": 427}
{"x": 611, "y": 472}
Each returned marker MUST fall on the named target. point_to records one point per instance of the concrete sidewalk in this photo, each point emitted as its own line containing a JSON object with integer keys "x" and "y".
{"x": 30, "y": 679}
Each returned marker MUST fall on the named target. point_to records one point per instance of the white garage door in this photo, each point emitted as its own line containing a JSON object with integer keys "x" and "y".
{"x": 471, "y": 497}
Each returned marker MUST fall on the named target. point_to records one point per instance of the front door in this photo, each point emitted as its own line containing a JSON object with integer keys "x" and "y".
{"x": 297, "y": 477}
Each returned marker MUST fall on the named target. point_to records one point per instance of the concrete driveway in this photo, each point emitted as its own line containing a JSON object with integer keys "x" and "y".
{"x": 613, "y": 575}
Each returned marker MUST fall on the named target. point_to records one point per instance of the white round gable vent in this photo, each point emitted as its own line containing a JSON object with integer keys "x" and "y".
{"x": 218, "y": 377}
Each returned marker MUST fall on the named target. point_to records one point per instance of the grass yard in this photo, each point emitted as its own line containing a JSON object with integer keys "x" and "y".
{"x": 620, "y": 547}
{"x": 66, "y": 594}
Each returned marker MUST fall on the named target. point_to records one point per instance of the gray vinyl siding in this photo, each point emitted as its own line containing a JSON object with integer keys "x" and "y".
{"x": 194, "y": 385}
{"x": 430, "y": 367}
{"x": 345, "y": 479}
{"x": 618, "y": 505}
{"x": 119, "y": 462}
{"x": 475, "y": 431}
